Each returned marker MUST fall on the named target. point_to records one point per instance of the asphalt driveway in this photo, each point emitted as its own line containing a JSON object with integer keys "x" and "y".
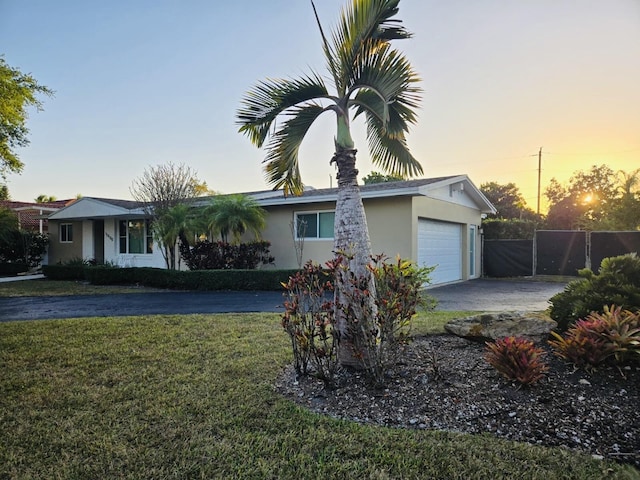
{"x": 482, "y": 295}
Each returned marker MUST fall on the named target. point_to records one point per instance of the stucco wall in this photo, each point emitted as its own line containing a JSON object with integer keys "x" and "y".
{"x": 278, "y": 232}
{"x": 390, "y": 223}
{"x": 63, "y": 252}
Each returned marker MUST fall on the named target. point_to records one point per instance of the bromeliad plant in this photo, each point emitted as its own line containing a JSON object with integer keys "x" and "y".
{"x": 614, "y": 334}
{"x": 517, "y": 359}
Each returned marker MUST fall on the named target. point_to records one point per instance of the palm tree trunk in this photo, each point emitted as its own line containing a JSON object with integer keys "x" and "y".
{"x": 351, "y": 239}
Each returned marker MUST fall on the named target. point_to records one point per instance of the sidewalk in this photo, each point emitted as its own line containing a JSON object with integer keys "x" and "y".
{"x": 34, "y": 276}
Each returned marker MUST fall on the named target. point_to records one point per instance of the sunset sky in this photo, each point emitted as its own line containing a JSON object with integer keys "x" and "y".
{"x": 149, "y": 82}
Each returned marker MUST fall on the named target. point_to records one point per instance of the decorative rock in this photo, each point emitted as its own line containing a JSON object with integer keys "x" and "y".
{"x": 491, "y": 326}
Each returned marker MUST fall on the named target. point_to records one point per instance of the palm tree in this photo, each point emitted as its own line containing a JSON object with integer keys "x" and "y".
{"x": 369, "y": 78}
{"x": 235, "y": 215}
{"x": 173, "y": 224}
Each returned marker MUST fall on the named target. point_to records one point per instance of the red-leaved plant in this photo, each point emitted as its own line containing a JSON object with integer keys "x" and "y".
{"x": 309, "y": 320}
{"x": 517, "y": 359}
{"x": 614, "y": 334}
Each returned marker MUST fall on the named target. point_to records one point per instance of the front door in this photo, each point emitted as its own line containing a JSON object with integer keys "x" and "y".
{"x": 98, "y": 241}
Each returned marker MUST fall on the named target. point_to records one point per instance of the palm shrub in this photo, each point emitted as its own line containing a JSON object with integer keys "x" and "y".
{"x": 617, "y": 282}
{"x": 517, "y": 359}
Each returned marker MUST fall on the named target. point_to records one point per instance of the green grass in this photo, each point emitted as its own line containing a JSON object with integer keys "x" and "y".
{"x": 192, "y": 397}
{"x": 44, "y": 287}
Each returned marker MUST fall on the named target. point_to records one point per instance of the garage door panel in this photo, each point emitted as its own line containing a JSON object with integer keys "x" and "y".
{"x": 440, "y": 243}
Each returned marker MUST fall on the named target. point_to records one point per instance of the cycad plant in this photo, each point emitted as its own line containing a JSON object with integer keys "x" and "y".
{"x": 369, "y": 78}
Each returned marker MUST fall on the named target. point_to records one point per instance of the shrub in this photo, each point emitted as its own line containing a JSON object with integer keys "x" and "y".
{"x": 13, "y": 269}
{"x": 171, "y": 279}
{"x": 517, "y": 359}
{"x": 26, "y": 247}
{"x": 309, "y": 321}
{"x": 500, "y": 228}
{"x": 64, "y": 272}
{"x": 376, "y": 341}
{"x": 208, "y": 255}
{"x": 617, "y": 282}
{"x": 309, "y": 318}
{"x": 614, "y": 334}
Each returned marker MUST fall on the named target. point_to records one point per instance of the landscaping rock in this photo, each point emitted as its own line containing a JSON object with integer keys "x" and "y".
{"x": 490, "y": 326}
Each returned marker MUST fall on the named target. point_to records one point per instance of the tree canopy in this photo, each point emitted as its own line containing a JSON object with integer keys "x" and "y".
{"x": 369, "y": 78}
{"x": 509, "y": 202}
{"x": 377, "y": 177}
{"x": 18, "y": 91}
{"x": 597, "y": 199}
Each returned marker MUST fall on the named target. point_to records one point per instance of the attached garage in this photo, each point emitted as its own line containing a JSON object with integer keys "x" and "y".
{"x": 440, "y": 243}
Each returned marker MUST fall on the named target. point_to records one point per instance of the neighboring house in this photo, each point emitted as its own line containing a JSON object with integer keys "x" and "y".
{"x": 432, "y": 221}
{"x": 33, "y": 216}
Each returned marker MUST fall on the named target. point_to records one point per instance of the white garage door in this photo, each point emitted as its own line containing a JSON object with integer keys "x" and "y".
{"x": 440, "y": 243}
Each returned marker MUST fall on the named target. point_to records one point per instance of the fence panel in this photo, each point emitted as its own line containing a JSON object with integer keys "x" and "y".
{"x": 560, "y": 252}
{"x": 508, "y": 258}
{"x": 612, "y": 244}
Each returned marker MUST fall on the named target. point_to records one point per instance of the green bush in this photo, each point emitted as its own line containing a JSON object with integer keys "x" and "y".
{"x": 18, "y": 246}
{"x": 13, "y": 268}
{"x": 500, "y": 229}
{"x": 172, "y": 279}
{"x": 617, "y": 282}
{"x": 64, "y": 272}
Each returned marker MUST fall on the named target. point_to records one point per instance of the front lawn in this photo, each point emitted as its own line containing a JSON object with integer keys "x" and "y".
{"x": 192, "y": 397}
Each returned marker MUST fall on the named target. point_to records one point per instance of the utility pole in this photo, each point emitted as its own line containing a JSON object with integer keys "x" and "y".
{"x": 539, "y": 175}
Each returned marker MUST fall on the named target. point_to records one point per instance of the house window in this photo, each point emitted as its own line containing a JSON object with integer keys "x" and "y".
{"x": 66, "y": 233}
{"x": 315, "y": 224}
{"x": 135, "y": 236}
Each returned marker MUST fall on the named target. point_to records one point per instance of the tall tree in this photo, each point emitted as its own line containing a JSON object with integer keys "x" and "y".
{"x": 18, "y": 91}
{"x": 508, "y": 201}
{"x": 370, "y": 78}
{"x": 234, "y": 215}
{"x": 158, "y": 190}
{"x": 4, "y": 192}
{"x": 583, "y": 202}
{"x": 8, "y": 223}
{"x": 623, "y": 213}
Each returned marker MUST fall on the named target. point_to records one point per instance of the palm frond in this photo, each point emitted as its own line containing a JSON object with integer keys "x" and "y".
{"x": 390, "y": 152}
{"x": 281, "y": 164}
{"x": 270, "y": 98}
{"x": 386, "y": 81}
{"x": 366, "y": 24}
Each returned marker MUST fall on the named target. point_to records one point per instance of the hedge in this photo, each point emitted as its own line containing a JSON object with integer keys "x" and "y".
{"x": 173, "y": 279}
{"x": 12, "y": 269}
